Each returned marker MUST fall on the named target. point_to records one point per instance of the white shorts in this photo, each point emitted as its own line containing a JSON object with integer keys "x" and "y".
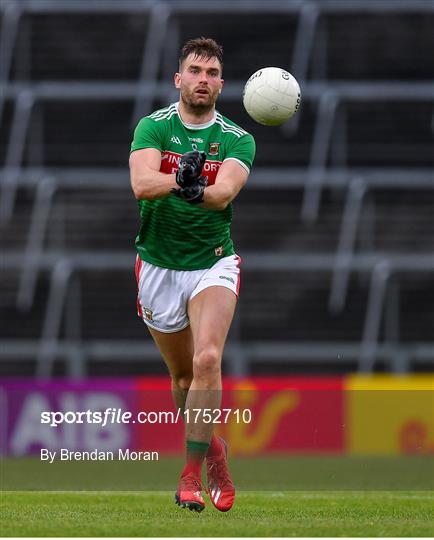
{"x": 163, "y": 294}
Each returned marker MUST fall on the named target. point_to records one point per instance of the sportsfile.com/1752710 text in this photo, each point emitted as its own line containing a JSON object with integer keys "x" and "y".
{"x": 113, "y": 415}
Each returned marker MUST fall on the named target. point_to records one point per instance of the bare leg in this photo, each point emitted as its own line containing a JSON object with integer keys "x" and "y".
{"x": 177, "y": 351}
{"x": 193, "y": 357}
{"x": 210, "y": 313}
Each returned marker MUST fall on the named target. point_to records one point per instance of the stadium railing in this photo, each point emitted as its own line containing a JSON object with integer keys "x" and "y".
{"x": 65, "y": 270}
{"x": 47, "y": 186}
{"x": 330, "y": 97}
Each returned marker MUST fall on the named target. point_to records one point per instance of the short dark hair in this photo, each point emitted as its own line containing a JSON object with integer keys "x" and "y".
{"x": 203, "y": 48}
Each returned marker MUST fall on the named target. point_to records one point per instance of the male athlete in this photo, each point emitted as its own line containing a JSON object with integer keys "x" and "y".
{"x": 188, "y": 163}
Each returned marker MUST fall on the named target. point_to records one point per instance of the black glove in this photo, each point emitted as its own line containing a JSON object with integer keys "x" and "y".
{"x": 190, "y": 168}
{"x": 192, "y": 194}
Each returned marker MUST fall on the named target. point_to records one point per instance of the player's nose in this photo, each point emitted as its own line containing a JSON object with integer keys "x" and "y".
{"x": 203, "y": 79}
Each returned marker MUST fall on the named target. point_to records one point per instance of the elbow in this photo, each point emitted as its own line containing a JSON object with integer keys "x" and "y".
{"x": 136, "y": 186}
{"x": 225, "y": 201}
{"x": 220, "y": 201}
{"x": 139, "y": 194}
{"x": 216, "y": 204}
{"x": 142, "y": 195}
{"x": 139, "y": 190}
{"x": 222, "y": 205}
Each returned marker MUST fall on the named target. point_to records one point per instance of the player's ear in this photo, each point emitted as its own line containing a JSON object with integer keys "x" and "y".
{"x": 177, "y": 80}
{"x": 222, "y": 82}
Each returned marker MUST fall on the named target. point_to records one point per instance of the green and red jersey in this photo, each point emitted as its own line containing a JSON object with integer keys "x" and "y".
{"x": 173, "y": 233}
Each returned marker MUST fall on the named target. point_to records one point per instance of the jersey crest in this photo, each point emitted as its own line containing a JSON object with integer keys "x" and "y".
{"x": 214, "y": 149}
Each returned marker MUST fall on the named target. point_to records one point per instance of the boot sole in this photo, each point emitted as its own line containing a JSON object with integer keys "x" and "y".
{"x": 191, "y": 505}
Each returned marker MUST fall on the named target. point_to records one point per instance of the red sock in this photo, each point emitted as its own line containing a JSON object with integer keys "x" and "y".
{"x": 215, "y": 447}
{"x": 196, "y": 452}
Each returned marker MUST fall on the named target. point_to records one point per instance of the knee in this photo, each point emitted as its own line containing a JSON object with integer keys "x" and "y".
{"x": 206, "y": 363}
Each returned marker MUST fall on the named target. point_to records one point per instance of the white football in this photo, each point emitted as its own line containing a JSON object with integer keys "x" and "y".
{"x": 271, "y": 96}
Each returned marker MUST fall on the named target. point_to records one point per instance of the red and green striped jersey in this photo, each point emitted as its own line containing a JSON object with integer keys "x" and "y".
{"x": 173, "y": 233}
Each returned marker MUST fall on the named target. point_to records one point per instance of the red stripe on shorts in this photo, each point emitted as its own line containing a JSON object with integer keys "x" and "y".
{"x": 239, "y": 274}
{"x": 137, "y": 268}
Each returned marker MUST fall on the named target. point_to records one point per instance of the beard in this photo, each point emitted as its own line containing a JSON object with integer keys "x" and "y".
{"x": 196, "y": 104}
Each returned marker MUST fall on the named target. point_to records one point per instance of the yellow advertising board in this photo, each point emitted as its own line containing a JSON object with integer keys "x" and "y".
{"x": 388, "y": 414}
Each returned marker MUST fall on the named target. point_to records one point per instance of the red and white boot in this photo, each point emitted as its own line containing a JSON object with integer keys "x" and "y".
{"x": 220, "y": 486}
{"x": 189, "y": 494}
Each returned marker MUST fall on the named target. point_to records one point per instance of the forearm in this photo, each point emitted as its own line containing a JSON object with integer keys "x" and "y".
{"x": 152, "y": 184}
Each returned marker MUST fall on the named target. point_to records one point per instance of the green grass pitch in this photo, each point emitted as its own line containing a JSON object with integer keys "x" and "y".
{"x": 272, "y": 513}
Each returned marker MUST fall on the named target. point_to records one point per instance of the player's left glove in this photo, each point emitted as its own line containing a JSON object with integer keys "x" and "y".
{"x": 192, "y": 194}
{"x": 190, "y": 168}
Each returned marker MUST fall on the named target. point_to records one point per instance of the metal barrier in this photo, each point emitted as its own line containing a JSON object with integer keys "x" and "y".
{"x": 331, "y": 96}
{"x": 66, "y": 271}
{"x": 152, "y": 54}
{"x": 368, "y": 350}
{"x": 8, "y": 36}
{"x": 46, "y": 188}
{"x": 162, "y": 14}
{"x": 160, "y": 44}
{"x": 14, "y": 157}
{"x": 345, "y": 250}
{"x": 45, "y": 192}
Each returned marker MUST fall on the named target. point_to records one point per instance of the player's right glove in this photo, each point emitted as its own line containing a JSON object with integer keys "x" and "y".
{"x": 194, "y": 193}
{"x": 190, "y": 168}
